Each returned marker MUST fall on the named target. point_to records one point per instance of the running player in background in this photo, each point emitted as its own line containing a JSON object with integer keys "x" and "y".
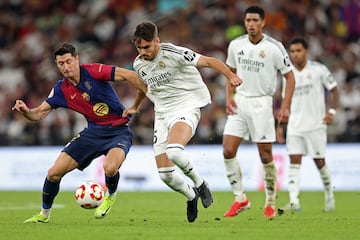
{"x": 178, "y": 92}
{"x": 256, "y": 58}
{"x": 85, "y": 89}
{"x": 306, "y": 129}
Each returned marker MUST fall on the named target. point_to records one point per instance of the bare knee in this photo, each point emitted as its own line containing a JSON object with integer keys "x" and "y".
{"x": 54, "y": 176}
{"x": 110, "y": 169}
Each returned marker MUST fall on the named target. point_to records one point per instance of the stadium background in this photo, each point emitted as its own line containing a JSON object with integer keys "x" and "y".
{"x": 101, "y": 30}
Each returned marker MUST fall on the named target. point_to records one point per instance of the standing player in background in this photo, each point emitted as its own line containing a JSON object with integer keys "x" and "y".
{"x": 306, "y": 129}
{"x": 85, "y": 89}
{"x": 256, "y": 58}
{"x": 178, "y": 92}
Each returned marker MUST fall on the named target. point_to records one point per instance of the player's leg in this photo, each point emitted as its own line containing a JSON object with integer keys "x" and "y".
{"x": 326, "y": 180}
{"x": 234, "y": 175}
{"x": 176, "y": 182}
{"x": 181, "y": 131}
{"x": 270, "y": 177}
{"x": 63, "y": 164}
{"x": 111, "y": 165}
{"x": 294, "y": 183}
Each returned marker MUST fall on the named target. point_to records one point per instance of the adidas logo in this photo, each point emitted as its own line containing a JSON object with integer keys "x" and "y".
{"x": 241, "y": 53}
{"x": 143, "y": 74}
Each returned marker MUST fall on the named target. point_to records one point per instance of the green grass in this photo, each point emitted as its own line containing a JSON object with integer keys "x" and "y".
{"x": 161, "y": 215}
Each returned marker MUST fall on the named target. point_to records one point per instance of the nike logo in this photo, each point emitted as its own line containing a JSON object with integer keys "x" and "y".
{"x": 104, "y": 213}
{"x": 73, "y": 96}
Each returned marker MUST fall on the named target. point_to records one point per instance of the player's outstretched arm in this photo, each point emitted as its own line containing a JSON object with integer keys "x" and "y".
{"x": 122, "y": 74}
{"x": 33, "y": 114}
{"x": 219, "y": 67}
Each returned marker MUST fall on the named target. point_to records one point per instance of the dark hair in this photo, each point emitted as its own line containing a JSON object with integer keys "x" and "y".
{"x": 146, "y": 31}
{"x": 256, "y": 9}
{"x": 64, "y": 48}
{"x": 300, "y": 40}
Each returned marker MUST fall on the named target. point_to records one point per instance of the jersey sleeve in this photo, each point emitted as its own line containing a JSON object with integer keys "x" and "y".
{"x": 327, "y": 78}
{"x": 101, "y": 72}
{"x": 282, "y": 60}
{"x": 230, "y": 60}
{"x": 56, "y": 97}
{"x": 188, "y": 56}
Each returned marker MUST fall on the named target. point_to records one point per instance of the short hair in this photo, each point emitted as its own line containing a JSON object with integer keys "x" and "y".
{"x": 64, "y": 48}
{"x": 146, "y": 30}
{"x": 300, "y": 40}
{"x": 256, "y": 9}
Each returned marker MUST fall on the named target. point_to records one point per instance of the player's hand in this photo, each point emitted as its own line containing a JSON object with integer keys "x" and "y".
{"x": 235, "y": 81}
{"x": 129, "y": 111}
{"x": 283, "y": 115}
{"x": 231, "y": 107}
{"x": 329, "y": 118}
{"x": 20, "y": 106}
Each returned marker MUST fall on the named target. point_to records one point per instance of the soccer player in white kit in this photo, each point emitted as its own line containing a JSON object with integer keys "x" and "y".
{"x": 306, "y": 129}
{"x": 256, "y": 58}
{"x": 178, "y": 92}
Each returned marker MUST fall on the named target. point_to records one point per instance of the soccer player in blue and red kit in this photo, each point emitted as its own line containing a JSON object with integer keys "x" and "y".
{"x": 86, "y": 89}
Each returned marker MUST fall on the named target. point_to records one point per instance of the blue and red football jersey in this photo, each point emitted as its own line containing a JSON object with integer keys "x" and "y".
{"x": 94, "y": 97}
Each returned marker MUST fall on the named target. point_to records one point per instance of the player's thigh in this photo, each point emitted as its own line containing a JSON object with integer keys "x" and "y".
{"x": 261, "y": 122}
{"x": 62, "y": 165}
{"x": 315, "y": 142}
{"x": 236, "y": 126}
{"x": 295, "y": 145}
{"x": 183, "y": 126}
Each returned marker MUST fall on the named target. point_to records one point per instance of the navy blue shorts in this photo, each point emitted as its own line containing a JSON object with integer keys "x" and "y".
{"x": 94, "y": 142}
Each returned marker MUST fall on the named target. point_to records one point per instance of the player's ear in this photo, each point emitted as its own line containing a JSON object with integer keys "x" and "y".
{"x": 157, "y": 40}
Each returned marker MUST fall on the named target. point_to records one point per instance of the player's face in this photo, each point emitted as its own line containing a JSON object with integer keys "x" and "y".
{"x": 298, "y": 54}
{"x": 68, "y": 65}
{"x": 254, "y": 24}
{"x": 148, "y": 50}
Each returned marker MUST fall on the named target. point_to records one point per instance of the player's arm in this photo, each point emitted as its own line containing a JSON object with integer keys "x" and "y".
{"x": 333, "y": 104}
{"x": 122, "y": 74}
{"x": 284, "y": 112}
{"x": 230, "y": 91}
{"x": 136, "y": 105}
{"x": 219, "y": 67}
{"x": 33, "y": 114}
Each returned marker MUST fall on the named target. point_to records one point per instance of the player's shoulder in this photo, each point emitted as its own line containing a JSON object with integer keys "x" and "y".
{"x": 316, "y": 64}
{"x": 171, "y": 48}
{"x": 240, "y": 39}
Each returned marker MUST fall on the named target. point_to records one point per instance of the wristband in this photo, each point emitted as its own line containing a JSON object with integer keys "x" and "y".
{"x": 332, "y": 111}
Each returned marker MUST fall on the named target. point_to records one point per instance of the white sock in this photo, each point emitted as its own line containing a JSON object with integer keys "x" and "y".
{"x": 326, "y": 179}
{"x": 176, "y": 154}
{"x": 270, "y": 183}
{"x": 174, "y": 180}
{"x": 294, "y": 183}
{"x": 45, "y": 212}
{"x": 234, "y": 175}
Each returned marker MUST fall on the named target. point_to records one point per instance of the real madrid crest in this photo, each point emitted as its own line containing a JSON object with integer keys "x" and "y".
{"x": 262, "y": 54}
{"x": 162, "y": 65}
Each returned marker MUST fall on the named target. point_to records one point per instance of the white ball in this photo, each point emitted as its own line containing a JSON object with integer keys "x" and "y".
{"x": 89, "y": 194}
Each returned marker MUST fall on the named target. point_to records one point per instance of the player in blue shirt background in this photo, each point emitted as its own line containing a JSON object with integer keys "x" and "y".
{"x": 86, "y": 89}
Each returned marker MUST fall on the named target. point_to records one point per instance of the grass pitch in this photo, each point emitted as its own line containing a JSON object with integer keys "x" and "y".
{"x": 162, "y": 215}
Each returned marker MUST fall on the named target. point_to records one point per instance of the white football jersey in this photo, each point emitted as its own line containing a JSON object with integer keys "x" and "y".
{"x": 173, "y": 81}
{"x": 308, "y": 106}
{"x": 257, "y": 64}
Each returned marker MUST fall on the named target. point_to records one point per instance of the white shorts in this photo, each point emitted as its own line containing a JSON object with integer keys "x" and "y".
{"x": 254, "y": 118}
{"x": 164, "y": 122}
{"x": 311, "y": 143}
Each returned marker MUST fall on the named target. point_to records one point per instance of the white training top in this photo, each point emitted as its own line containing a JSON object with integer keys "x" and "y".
{"x": 173, "y": 81}
{"x": 308, "y": 102}
{"x": 257, "y": 64}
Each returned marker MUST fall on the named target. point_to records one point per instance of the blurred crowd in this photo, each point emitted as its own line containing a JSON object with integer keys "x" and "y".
{"x": 29, "y": 30}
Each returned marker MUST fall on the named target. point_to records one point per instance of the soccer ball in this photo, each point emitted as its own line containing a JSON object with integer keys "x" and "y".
{"x": 89, "y": 194}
